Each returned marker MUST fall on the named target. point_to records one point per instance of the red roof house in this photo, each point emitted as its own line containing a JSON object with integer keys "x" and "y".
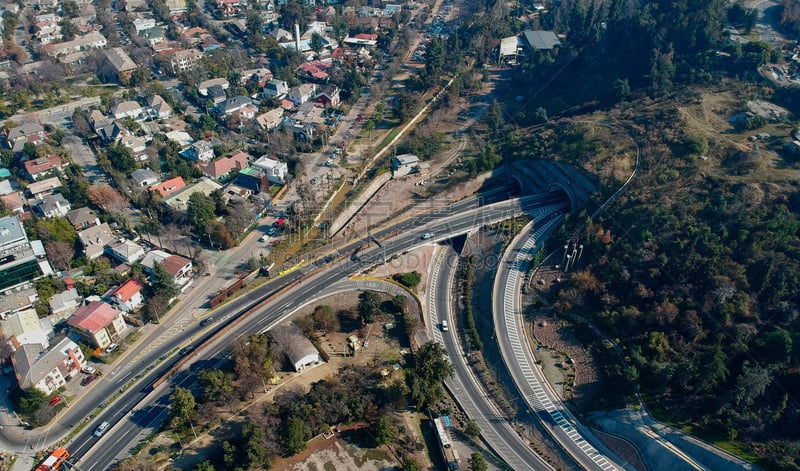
{"x": 98, "y": 323}
{"x": 169, "y": 187}
{"x": 222, "y": 167}
{"x": 42, "y": 166}
{"x": 128, "y": 295}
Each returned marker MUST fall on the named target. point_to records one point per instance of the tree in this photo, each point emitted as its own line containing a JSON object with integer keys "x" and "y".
{"x": 163, "y": 282}
{"x": 472, "y": 429}
{"x": 121, "y": 158}
{"x": 405, "y": 106}
{"x": 340, "y": 29}
{"x": 410, "y": 464}
{"x": 297, "y": 433}
{"x": 325, "y": 319}
{"x": 217, "y": 384}
{"x": 109, "y": 199}
{"x": 477, "y": 462}
{"x": 410, "y": 280}
{"x": 60, "y": 254}
{"x": 182, "y": 407}
{"x": 384, "y": 431}
{"x": 204, "y": 466}
{"x": 200, "y": 210}
{"x": 431, "y": 368}
{"x": 317, "y": 43}
{"x": 369, "y": 306}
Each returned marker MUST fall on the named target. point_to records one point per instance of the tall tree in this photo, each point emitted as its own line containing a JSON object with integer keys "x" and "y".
{"x": 369, "y": 306}
{"x": 431, "y": 368}
{"x": 182, "y": 407}
{"x": 200, "y": 210}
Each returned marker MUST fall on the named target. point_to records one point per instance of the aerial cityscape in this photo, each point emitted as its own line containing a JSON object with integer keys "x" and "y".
{"x": 400, "y": 235}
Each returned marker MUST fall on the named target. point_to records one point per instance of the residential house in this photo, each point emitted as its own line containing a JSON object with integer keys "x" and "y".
{"x": 404, "y": 164}
{"x": 275, "y": 169}
{"x": 328, "y": 96}
{"x": 158, "y": 108}
{"x": 23, "y": 327}
{"x": 127, "y": 109}
{"x": 14, "y": 202}
{"x": 142, "y": 24}
{"x": 97, "y": 119}
{"x": 254, "y": 179}
{"x": 94, "y": 239}
{"x": 128, "y": 296}
{"x": 124, "y": 250}
{"x": 281, "y": 35}
{"x": 168, "y": 187}
{"x": 271, "y": 119}
{"x": 119, "y": 63}
{"x": 314, "y": 70}
{"x": 176, "y": 6}
{"x": 98, "y": 323}
{"x": 47, "y": 370}
{"x": 202, "y": 87}
{"x": 179, "y": 267}
{"x": 65, "y": 303}
{"x": 275, "y": 89}
{"x": 17, "y": 137}
{"x": 137, "y": 145}
{"x": 180, "y": 199}
{"x": 91, "y": 40}
{"x": 144, "y": 177}
{"x": 183, "y": 60}
{"x": 305, "y": 120}
{"x": 216, "y": 94}
{"x": 42, "y": 167}
{"x": 234, "y": 104}
{"x": 221, "y": 168}
{"x": 53, "y": 206}
{"x": 8, "y": 186}
{"x": 301, "y": 93}
{"x": 41, "y": 188}
{"x": 112, "y": 132}
{"x": 183, "y": 138}
{"x": 261, "y": 75}
{"x": 154, "y": 36}
{"x": 201, "y": 151}
{"x": 82, "y": 218}
{"x": 541, "y": 40}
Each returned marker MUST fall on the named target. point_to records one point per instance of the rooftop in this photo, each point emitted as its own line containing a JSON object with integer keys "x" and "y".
{"x": 93, "y": 317}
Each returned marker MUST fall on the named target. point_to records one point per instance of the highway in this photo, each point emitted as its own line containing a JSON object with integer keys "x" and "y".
{"x": 498, "y": 434}
{"x": 575, "y": 439}
{"x": 298, "y": 286}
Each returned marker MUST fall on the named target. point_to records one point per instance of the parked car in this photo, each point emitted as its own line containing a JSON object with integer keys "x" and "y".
{"x": 271, "y": 231}
{"x": 89, "y": 370}
{"x": 55, "y": 400}
{"x": 101, "y": 429}
{"x": 88, "y": 380}
{"x": 111, "y": 348}
{"x": 264, "y": 238}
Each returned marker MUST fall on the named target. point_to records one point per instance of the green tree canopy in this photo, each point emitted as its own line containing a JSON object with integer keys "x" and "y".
{"x": 182, "y": 407}
{"x": 431, "y": 368}
{"x": 163, "y": 283}
{"x": 369, "y": 306}
{"x": 200, "y": 210}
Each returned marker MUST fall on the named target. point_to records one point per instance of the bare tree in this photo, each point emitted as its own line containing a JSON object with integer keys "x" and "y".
{"x": 110, "y": 200}
{"x": 60, "y": 254}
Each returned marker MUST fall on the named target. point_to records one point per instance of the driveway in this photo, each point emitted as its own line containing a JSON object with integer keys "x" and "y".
{"x": 83, "y": 156}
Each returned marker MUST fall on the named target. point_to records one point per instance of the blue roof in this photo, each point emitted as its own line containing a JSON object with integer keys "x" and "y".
{"x": 446, "y": 419}
{"x": 4, "y": 173}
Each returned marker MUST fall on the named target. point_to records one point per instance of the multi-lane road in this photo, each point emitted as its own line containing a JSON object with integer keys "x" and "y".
{"x": 298, "y": 287}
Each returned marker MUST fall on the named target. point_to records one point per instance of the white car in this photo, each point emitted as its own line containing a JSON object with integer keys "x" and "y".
{"x": 427, "y": 235}
{"x": 89, "y": 370}
{"x": 264, "y": 238}
{"x": 111, "y": 348}
{"x": 101, "y": 429}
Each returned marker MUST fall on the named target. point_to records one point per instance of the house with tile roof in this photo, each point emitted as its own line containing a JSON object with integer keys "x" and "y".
{"x": 119, "y": 62}
{"x": 221, "y": 168}
{"x": 82, "y": 218}
{"x": 125, "y": 250}
{"x": 179, "y": 267}
{"x": 98, "y": 323}
{"x": 47, "y": 370}
{"x": 14, "y": 202}
{"x": 168, "y": 187}
{"x": 128, "y": 296}
{"x": 94, "y": 240}
{"x": 42, "y": 167}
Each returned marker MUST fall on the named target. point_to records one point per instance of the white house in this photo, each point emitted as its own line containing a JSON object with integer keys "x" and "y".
{"x": 404, "y": 164}
{"x": 126, "y": 251}
{"x": 275, "y": 89}
{"x": 128, "y": 295}
{"x": 47, "y": 370}
{"x": 275, "y": 169}
{"x": 98, "y": 323}
{"x": 127, "y": 109}
{"x": 302, "y": 93}
{"x": 53, "y": 206}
